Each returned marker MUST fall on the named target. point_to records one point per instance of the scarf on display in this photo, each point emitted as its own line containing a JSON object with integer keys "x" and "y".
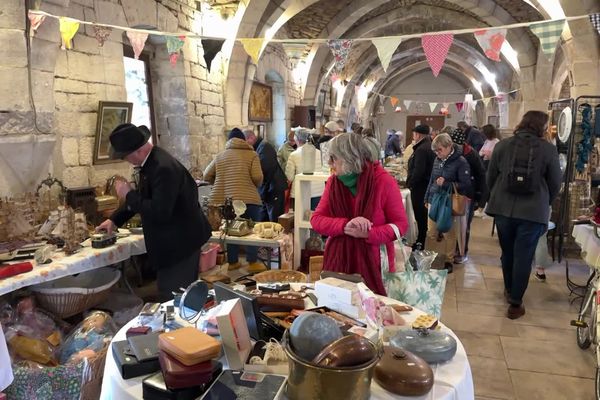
{"x": 345, "y": 253}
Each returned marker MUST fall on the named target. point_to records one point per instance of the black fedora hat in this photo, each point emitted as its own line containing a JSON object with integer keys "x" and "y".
{"x": 127, "y": 138}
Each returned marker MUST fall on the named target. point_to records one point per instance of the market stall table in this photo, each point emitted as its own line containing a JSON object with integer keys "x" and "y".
{"x": 585, "y": 236}
{"x": 83, "y": 260}
{"x": 453, "y": 380}
{"x": 282, "y": 242}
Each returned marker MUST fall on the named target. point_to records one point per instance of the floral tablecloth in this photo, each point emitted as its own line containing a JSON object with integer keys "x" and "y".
{"x": 85, "y": 259}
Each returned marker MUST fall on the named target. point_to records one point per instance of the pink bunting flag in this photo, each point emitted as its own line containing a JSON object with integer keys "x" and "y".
{"x": 35, "y": 20}
{"x": 340, "y": 48}
{"x": 138, "y": 41}
{"x": 459, "y": 106}
{"x": 436, "y": 49}
{"x": 491, "y": 41}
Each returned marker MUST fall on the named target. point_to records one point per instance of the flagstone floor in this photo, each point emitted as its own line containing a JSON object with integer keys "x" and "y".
{"x": 534, "y": 357}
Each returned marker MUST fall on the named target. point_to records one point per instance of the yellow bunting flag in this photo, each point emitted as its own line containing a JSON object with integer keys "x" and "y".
{"x": 394, "y": 101}
{"x": 253, "y": 47}
{"x": 68, "y": 29}
{"x": 385, "y": 49}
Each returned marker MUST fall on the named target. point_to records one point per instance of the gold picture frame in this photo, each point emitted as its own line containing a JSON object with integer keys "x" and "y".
{"x": 110, "y": 115}
{"x": 260, "y": 105}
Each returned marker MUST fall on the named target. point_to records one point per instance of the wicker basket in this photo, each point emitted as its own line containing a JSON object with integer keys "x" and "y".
{"x": 68, "y": 296}
{"x": 280, "y": 276}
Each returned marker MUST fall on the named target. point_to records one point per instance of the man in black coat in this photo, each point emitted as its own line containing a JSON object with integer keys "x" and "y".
{"x": 166, "y": 198}
{"x": 474, "y": 137}
{"x": 272, "y": 190}
{"x": 420, "y": 165}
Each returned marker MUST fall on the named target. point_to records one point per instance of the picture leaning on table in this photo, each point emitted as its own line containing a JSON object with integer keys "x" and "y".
{"x": 358, "y": 205}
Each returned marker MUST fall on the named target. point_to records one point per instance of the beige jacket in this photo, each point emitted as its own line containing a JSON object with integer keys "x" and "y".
{"x": 294, "y": 167}
{"x": 235, "y": 173}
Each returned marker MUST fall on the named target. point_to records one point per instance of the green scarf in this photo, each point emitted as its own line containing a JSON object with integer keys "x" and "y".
{"x": 350, "y": 181}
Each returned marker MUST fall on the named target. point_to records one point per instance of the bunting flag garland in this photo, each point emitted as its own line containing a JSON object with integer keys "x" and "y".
{"x": 595, "y": 20}
{"x": 385, "y": 49}
{"x": 446, "y": 105}
{"x": 35, "y": 20}
{"x": 486, "y": 101}
{"x": 436, "y": 49}
{"x": 548, "y": 33}
{"x": 174, "y": 45}
{"x": 138, "y": 41}
{"x": 394, "y": 101}
{"x": 459, "y": 106}
{"x": 211, "y": 48}
{"x": 68, "y": 28}
{"x": 340, "y": 48}
{"x": 433, "y": 106}
{"x": 407, "y": 104}
{"x": 294, "y": 50}
{"x": 101, "y": 33}
{"x": 490, "y": 41}
{"x": 253, "y": 47}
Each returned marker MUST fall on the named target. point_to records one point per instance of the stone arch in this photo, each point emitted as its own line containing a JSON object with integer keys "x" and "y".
{"x": 277, "y": 133}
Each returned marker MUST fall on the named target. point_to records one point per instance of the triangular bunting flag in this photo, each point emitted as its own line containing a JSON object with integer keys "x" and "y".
{"x": 334, "y": 78}
{"x": 211, "y": 48}
{"x": 436, "y": 50}
{"x": 381, "y": 99}
{"x": 595, "y": 19}
{"x": 394, "y": 101}
{"x": 138, "y": 41}
{"x": 174, "y": 45}
{"x": 294, "y": 50}
{"x": 446, "y": 105}
{"x": 340, "y": 48}
{"x": 433, "y": 106}
{"x": 386, "y": 48}
{"x": 35, "y": 20}
{"x": 548, "y": 33}
{"x": 513, "y": 94}
{"x": 459, "y": 106}
{"x": 407, "y": 103}
{"x": 491, "y": 41}
{"x": 68, "y": 28}
{"x": 486, "y": 101}
{"x": 253, "y": 47}
{"x": 102, "y": 33}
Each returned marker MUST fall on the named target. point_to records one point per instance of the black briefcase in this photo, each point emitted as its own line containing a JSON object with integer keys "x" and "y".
{"x": 128, "y": 364}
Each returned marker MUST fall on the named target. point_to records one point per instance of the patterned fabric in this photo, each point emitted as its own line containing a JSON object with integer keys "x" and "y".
{"x": 62, "y": 382}
{"x": 211, "y": 48}
{"x": 548, "y": 33}
{"x": 458, "y": 136}
{"x": 491, "y": 41}
{"x": 138, "y": 41}
{"x": 595, "y": 20}
{"x": 386, "y": 48}
{"x": 68, "y": 28}
{"x": 436, "y": 49}
{"x": 101, "y": 33}
{"x": 253, "y": 47}
{"x": 35, "y": 20}
{"x": 174, "y": 45}
{"x": 340, "y": 49}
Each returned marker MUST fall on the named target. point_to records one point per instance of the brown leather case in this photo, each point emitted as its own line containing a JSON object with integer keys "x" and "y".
{"x": 281, "y": 301}
{"x": 287, "y": 221}
{"x": 189, "y": 346}
{"x": 179, "y": 376}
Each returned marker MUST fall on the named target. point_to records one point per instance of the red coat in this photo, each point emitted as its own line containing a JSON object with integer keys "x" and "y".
{"x": 388, "y": 208}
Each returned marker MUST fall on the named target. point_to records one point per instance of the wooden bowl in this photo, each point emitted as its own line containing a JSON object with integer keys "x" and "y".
{"x": 280, "y": 276}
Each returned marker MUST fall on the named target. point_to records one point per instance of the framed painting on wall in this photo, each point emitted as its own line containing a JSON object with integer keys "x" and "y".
{"x": 260, "y": 105}
{"x": 110, "y": 115}
{"x": 493, "y": 120}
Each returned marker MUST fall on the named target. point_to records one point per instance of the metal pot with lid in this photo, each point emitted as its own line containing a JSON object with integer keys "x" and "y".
{"x": 431, "y": 346}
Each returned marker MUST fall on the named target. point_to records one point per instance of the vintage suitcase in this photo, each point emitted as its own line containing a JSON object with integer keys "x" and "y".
{"x": 431, "y": 346}
{"x": 189, "y": 346}
{"x": 179, "y": 376}
{"x": 128, "y": 365}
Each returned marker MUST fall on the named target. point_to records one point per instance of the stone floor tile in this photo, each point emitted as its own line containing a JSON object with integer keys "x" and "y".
{"x": 542, "y": 333}
{"x": 491, "y": 378}
{"x": 481, "y": 345}
{"x": 480, "y": 296}
{"x": 480, "y": 324}
{"x": 548, "y": 319}
{"x": 477, "y": 309}
{"x": 537, "y": 386}
{"x": 470, "y": 281}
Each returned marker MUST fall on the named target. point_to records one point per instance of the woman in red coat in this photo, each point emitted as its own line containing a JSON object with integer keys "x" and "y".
{"x": 358, "y": 205}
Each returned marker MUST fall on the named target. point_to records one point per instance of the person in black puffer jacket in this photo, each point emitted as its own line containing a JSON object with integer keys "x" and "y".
{"x": 449, "y": 167}
{"x": 480, "y": 189}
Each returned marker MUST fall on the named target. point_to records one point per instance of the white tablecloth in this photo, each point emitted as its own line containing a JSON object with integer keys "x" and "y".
{"x": 453, "y": 379}
{"x": 586, "y": 238}
{"x": 85, "y": 259}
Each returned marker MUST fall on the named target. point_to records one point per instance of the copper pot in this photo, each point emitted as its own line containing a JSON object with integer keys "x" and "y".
{"x": 403, "y": 373}
{"x": 348, "y": 351}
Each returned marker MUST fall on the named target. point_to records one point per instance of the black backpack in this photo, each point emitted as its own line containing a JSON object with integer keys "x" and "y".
{"x": 523, "y": 176}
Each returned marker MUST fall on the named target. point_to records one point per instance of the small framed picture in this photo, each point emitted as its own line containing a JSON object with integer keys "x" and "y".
{"x": 493, "y": 120}
{"x": 110, "y": 115}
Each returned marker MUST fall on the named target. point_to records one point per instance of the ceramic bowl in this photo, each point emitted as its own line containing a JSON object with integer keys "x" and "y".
{"x": 348, "y": 351}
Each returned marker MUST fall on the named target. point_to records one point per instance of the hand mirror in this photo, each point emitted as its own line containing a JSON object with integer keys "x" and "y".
{"x": 193, "y": 300}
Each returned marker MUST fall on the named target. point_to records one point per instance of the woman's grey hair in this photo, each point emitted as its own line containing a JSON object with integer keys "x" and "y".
{"x": 302, "y": 135}
{"x": 441, "y": 140}
{"x": 351, "y": 150}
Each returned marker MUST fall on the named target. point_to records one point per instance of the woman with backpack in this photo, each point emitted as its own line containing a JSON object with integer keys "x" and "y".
{"x": 524, "y": 178}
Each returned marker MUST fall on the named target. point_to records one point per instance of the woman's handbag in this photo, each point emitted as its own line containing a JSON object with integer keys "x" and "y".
{"x": 401, "y": 252}
{"x": 440, "y": 210}
{"x": 459, "y": 202}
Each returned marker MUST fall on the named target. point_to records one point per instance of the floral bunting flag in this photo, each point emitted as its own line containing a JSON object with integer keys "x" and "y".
{"x": 433, "y": 106}
{"x": 35, "y": 20}
{"x": 138, "y": 41}
{"x": 394, "y": 101}
{"x": 174, "y": 45}
{"x": 436, "y": 49}
{"x": 595, "y": 20}
{"x": 491, "y": 41}
{"x": 101, "y": 33}
{"x": 446, "y": 105}
{"x": 407, "y": 103}
{"x": 253, "y": 47}
{"x": 68, "y": 28}
{"x": 340, "y": 48}
{"x": 211, "y": 47}
{"x": 548, "y": 33}
{"x": 386, "y": 47}
{"x": 459, "y": 106}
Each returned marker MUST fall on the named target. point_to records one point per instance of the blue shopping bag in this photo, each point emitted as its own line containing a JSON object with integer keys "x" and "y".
{"x": 440, "y": 210}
